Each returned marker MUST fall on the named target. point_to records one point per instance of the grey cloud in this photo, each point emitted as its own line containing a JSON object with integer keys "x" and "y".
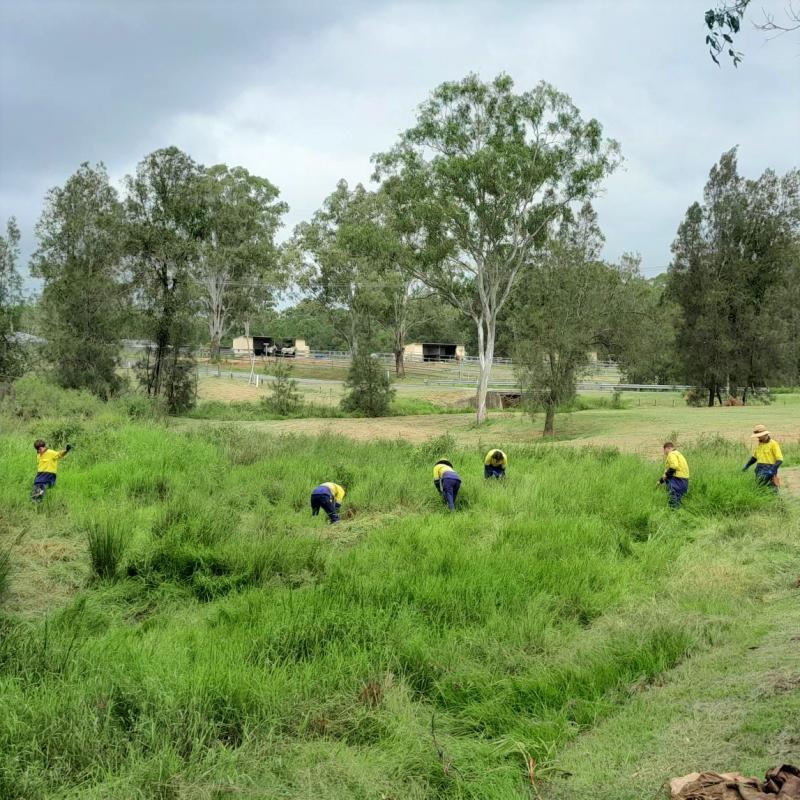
{"x": 304, "y": 93}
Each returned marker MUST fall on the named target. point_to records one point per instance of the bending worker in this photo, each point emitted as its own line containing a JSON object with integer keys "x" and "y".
{"x": 328, "y": 497}
{"x": 767, "y": 457}
{"x": 46, "y": 468}
{"x": 676, "y": 475}
{"x": 494, "y": 465}
{"x": 447, "y": 482}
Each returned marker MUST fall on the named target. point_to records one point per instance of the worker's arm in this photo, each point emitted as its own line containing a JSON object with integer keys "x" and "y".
{"x": 749, "y": 464}
{"x": 438, "y": 484}
{"x": 667, "y": 475}
{"x": 65, "y": 451}
{"x": 775, "y": 467}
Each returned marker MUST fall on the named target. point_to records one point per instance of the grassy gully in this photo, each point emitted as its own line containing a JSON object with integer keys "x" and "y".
{"x": 225, "y": 641}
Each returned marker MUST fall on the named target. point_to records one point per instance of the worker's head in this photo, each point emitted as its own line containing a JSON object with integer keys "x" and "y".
{"x": 668, "y": 447}
{"x": 497, "y": 455}
{"x": 761, "y": 433}
{"x": 445, "y": 462}
{"x": 39, "y": 445}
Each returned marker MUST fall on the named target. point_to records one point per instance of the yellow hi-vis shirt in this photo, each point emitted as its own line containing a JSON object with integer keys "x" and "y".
{"x": 676, "y": 461}
{"x": 768, "y": 452}
{"x": 48, "y": 461}
{"x": 440, "y": 470}
{"x": 336, "y": 490}
{"x": 496, "y": 458}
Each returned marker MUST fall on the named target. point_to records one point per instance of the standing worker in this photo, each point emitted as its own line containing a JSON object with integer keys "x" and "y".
{"x": 494, "y": 465}
{"x": 328, "y": 497}
{"x": 676, "y": 475}
{"x": 767, "y": 457}
{"x": 46, "y": 468}
{"x": 447, "y": 482}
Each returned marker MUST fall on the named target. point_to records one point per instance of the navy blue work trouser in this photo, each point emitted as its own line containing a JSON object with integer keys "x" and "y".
{"x": 676, "y": 489}
{"x": 764, "y": 473}
{"x": 448, "y": 487}
{"x": 323, "y": 499}
{"x": 492, "y": 471}
{"x": 42, "y": 482}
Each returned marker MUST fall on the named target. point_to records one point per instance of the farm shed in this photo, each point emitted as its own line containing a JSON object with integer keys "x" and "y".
{"x": 258, "y": 345}
{"x": 269, "y": 346}
{"x": 434, "y": 351}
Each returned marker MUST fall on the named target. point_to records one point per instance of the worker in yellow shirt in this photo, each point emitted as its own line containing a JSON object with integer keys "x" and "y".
{"x": 676, "y": 475}
{"x": 447, "y": 482}
{"x": 494, "y": 465}
{"x": 46, "y": 468}
{"x": 328, "y": 497}
{"x": 767, "y": 457}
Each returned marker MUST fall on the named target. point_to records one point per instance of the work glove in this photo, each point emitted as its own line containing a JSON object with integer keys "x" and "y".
{"x": 745, "y": 468}
{"x": 68, "y": 448}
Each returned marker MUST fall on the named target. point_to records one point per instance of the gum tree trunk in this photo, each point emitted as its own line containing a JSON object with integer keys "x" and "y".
{"x": 549, "y": 419}
{"x": 486, "y": 334}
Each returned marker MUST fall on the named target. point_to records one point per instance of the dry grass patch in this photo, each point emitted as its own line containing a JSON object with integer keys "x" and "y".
{"x": 46, "y": 573}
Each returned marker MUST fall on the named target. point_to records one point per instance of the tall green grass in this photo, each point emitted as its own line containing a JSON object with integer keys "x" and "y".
{"x": 106, "y": 539}
{"x": 240, "y": 647}
{"x": 5, "y": 569}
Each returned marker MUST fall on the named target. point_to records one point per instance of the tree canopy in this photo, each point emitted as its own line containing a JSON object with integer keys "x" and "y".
{"x": 10, "y": 296}
{"x": 79, "y": 255}
{"x": 732, "y": 259}
{"x": 481, "y": 178}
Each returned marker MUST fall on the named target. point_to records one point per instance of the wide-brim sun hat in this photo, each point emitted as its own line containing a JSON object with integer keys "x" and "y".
{"x": 759, "y": 431}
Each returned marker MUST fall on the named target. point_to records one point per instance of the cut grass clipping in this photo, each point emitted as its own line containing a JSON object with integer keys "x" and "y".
{"x": 236, "y": 645}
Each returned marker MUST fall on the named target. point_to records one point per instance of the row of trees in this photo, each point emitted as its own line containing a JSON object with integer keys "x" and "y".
{"x": 181, "y": 240}
{"x": 735, "y": 282}
{"x": 481, "y": 219}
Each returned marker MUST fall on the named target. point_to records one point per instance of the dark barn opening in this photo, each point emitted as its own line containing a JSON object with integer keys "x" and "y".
{"x": 261, "y": 344}
{"x": 432, "y": 351}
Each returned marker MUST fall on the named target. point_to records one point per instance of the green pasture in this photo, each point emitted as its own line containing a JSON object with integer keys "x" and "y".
{"x": 202, "y": 636}
{"x": 591, "y": 420}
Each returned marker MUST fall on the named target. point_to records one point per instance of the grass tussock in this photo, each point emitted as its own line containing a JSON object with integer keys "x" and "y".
{"x": 246, "y": 647}
{"x": 106, "y": 538}
{"x": 5, "y": 570}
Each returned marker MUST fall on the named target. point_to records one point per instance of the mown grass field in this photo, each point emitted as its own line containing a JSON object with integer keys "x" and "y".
{"x": 325, "y": 393}
{"x": 236, "y": 646}
{"x": 640, "y": 426}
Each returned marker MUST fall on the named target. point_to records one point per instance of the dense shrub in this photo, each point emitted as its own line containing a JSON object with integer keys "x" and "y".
{"x": 369, "y": 390}
{"x": 34, "y": 397}
{"x": 284, "y": 397}
{"x": 140, "y": 407}
{"x": 696, "y": 397}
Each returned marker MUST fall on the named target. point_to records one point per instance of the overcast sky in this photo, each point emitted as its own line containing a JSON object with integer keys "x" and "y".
{"x": 303, "y": 93}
